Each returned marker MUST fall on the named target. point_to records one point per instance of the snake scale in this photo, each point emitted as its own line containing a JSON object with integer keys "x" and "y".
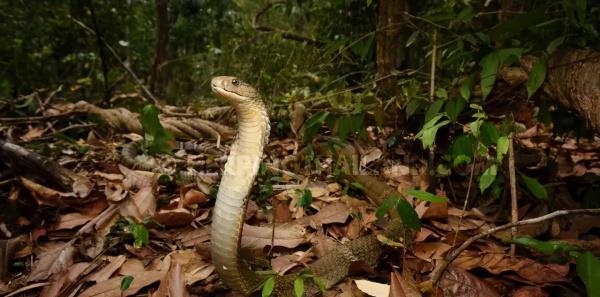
{"x": 232, "y": 198}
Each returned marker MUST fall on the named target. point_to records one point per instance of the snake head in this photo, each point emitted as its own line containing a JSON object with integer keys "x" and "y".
{"x": 234, "y": 90}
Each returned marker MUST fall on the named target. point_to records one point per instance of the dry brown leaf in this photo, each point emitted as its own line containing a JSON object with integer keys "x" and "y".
{"x": 43, "y": 195}
{"x": 71, "y": 220}
{"x": 400, "y": 287}
{"x": 135, "y": 179}
{"x": 464, "y": 284}
{"x": 173, "y": 284}
{"x": 284, "y": 263}
{"x": 193, "y": 265}
{"x": 107, "y": 271}
{"x": 140, "y": 206}
{"x": 288, "y": 235}
{"x": 111, "y": 287}
{"x": 33, "y": 133}
{"x": 528, "y": 269}
{"x": 373, "y": 288}
{"x": 174, "y": 217}
{"x": 332, "y": 213}
{"x": 192, "y": 237}
{"x": 430, "y": 250}
{"x": 372, "y": 154}
{"x": 64, "y": 279}
{"x": 56, "y": 257}
{"x": 281, "y": 212}
{"x": 132, "y": 266}
{"x": 193, "y": 196}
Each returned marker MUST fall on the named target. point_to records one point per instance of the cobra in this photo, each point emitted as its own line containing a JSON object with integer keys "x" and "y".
{"x": 232, "y": 198}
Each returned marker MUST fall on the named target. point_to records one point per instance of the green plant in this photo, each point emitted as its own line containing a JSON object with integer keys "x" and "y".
{"x": 156, "y": 138}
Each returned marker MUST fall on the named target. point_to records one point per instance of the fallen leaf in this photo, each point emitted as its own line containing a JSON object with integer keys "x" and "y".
{"x": 33, "y": 133}
{"x": 193, "y": 196}
{"x": 193, "y": 237}
{"x": 462, "y": 283}
{"x": 373, "y": 288}
{"x": 288, "y": 235}
{"x": 331, "y": 213}
{"x": 174, "y": 217}
{"x": 71, "y": 220}
{"x": 400, "y": 287}
{"x": 56, "y": 257}
{"x": 430, "y": 250}
{"x": 108, "y": 270}
{"x": 111, "y": 287}
{"x": 140, "y": 206}
{"x": 529, "y": 291}
{"x": 64, "y": 279}
{"x": 372, "y": 154}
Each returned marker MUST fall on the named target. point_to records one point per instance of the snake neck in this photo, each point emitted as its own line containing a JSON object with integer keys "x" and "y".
{"x": 238, "y": 176}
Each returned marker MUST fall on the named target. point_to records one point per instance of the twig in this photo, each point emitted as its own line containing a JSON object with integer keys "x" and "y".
{"x": 431, "y": 162}
{"x": 513, "y": 191}
{"x": 439, "y": 270}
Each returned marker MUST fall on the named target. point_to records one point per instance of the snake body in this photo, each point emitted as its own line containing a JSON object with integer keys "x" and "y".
{"x": 232, "y": 198}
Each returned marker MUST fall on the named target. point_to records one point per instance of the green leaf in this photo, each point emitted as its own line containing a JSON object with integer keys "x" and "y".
{"x": 126, "y": 282}
{"x": 141, "y": 236}
{"x": 489, "y": 66}
{"x": 320, "y": 282}
{"x": 534, "y": 186}
{"x": 536, "y": 77}
{"x": 502, "y": 147}
{"x": 369, "y": 2}
{"x": 453, "y": 108}
{"x": 409, "y": 216}
{"x": 413, "y": 105}
{"x": 588, "y": 270}
{"x": 489, "y": 134}
{"x": 412, "y": 38}
{"x": 427, "y": 134}
{"x": 299, "y": 286}
{"x": 441, "y": 93}
{"x": 305, "y": 197}
{"x": 156, "y": 138}
{"x": 467, "y": 87}
{"x": 385, "y": 207}
{"x": 313, "y": 124}
{"x": 425, "y": 196}
{"x": 475, "y": 126}
{"x": 462, "y": 149}
{"x": 434, "y": 109}
{"x": 547, "y": 247}
{"x": 554, "y": 44}
{"x": 487, "y": 178}
{"x": 268, "y": 286}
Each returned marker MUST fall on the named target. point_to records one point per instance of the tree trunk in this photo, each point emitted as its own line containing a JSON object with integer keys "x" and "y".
{"x": 158, "y": 79}
{"x": 574, "y": 80}
{"x": 389, "y": 21}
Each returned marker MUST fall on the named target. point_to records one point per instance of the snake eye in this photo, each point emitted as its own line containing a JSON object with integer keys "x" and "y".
{"x": 235, "y": 82}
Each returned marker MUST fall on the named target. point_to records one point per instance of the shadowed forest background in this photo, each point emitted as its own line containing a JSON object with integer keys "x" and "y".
{"x": 463, "y": 118}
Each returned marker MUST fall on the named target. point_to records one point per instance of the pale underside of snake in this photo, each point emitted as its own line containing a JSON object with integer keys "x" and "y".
{"x": 232, "y": 198}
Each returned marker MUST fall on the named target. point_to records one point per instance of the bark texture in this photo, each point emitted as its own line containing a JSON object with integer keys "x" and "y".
{"x": 389, "y": 21}
{"x": 574, "y": 80}
{"x": 158, "y": 80}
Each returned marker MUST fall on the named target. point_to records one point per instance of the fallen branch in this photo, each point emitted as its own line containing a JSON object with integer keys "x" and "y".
{"x": 439, "y": 270}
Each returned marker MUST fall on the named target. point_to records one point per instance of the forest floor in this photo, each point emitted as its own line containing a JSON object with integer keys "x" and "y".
{"x": 122, "y": 231}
